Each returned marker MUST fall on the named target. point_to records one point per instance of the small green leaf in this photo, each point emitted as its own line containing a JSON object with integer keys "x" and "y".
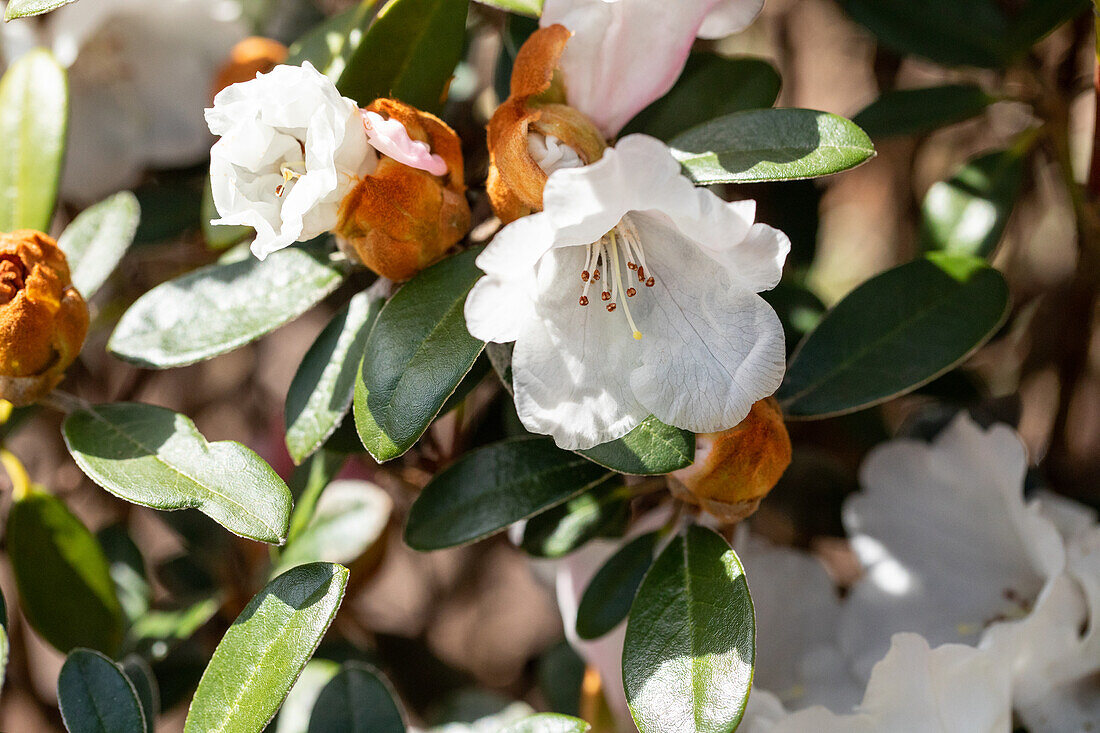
{"x": 771, "y": 145}
{"x": 488, "y": 489}
{"x": 709, "y": 86}
{"x": 324, "y": 385}
{"x": 409, "y": 53}
{"x": 416, "y": 355}
{"x": 265, "y": 649}
{"x": 549, "y": 723}
{"x": 602, "y": 511}
{"x": 157, "y": 632}
{"x": 651, "y": 449}
{"x": 968, "y": 213}
{"x": 357, "y": 700}
{"x": 34, "y": 108}
{"x": 157, "y": 458}
{"x": 139, "y": 673}
{"x": 64, "y": 581}
{"x": 329, "y": 45}
{"x": 690, "y": 647}
{"x": 26, "y": 8}
{"x": 915, "y": 111}
{"x": 894, "y": 333}
{"x": 606, "y": 600}
{"x": 97, "y": 239}
{"x": 222, "y": 307}
{"x": 532, "y": 8}
{"x": 96, "y": 696}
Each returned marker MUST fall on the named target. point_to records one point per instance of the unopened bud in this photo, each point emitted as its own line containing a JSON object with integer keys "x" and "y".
{"x": 251, "y": 56}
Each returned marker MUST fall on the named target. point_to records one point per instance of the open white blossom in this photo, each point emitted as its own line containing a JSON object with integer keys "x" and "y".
{"x": 633, "y": 293}
{"x": 291, "y": 149}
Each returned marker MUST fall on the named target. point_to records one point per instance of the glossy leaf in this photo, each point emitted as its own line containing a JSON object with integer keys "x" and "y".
{"x": 64, "y": 581}
{"x": 896, "y": 332}
{"x": 357, "y": 700}
{"x": 416, "y": 356}
{"x": 96, "y": 696}
{"x": 689, "y": 650}
{"x": 915, "y": 111}
{"x": 607, "y": 599}
{"x": 95, "y": 241}
{"x": 532, "y": 8}
{"x": 651, "y": 449}
{"x": 968, "y": 213}
{"x": 265, "y": 649}
{"x": 549, "y": 723}
{"x": 409, "y": 53}
{"x": 222, "y": 307}
{"x": 324, "y": 385}
{"x": 771, "y": 145}
{"x": 157, "y": 458}
{"x": 329, "y": 45}
{"x": 34, "y": 107}
{"x": 603, "y": 511}
{"x": 488, "y": 489}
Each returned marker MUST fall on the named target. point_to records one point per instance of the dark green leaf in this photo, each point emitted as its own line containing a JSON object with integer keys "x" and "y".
{"x": 96, "y": 696}
{"x": 408, "y": 53}
{"x": 1037, "y": 18}
{"x": 416, "y": 355}
{"x": 710, "y": 86}
{"x": 34, "y": 108}
{"x": 222, "y": 307}
{"x": 486, "y": 490}
{"x": 606, "y": 600}
{"x": 549, "y": 723}
{"x": 690, "y": 646}
{"x": 968, "y": 213}
{"x": 264, "y": 651}
{"x": 349, "y": 519}
{"x": 560, "y": 676}
{"x": 324, "y": 385}
{"x": 96, "y": 240}
{"x": 139, "y": 673}
{"x": 914, "y": 111}
{"x": 328, "y": 46}
{"x": 771, "y": 145}
{"x": 64, "y": 581}
{"x": 357, "y": 700}
{"x": 651, "y": 449}
{"x": 157, "y": 458}
{"x": 127, "y": 570}
{"x": 602, "y": 511}
{"x": 532, "y": 8}
{"x": 894, "y": 333}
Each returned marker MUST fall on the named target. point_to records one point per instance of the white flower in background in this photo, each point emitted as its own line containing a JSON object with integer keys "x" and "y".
{"x": 633, "y": 293}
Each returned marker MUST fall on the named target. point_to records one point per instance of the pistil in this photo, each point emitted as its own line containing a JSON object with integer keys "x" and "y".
{"x": 605, "y": 252}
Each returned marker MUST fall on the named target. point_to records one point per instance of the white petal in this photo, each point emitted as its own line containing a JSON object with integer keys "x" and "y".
{"x": 497, "y": 310}
{"x": 729, "y": 17}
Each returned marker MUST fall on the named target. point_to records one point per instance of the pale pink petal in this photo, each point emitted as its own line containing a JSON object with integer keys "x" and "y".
{"x": 390, "y": 138}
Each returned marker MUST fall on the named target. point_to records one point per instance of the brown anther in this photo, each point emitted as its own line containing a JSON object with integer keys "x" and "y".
{"x": 596, "y": 275}
{"x": 279, "y": 190}
{"x": 649, "y": 282}
{"x": 584, "y": 300}
{"x": 585, "y": 274}
{"x": 610, "y": 307}
{"x": 631, "y": 266}
{"x": 641, "y": 274}
{"x": 605, "y": 296}
{"x": 631, "y": 292}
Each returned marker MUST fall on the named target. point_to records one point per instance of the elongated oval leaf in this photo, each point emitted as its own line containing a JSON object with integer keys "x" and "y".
{"x": 266, "y": 648}
{"x": 896, "y": 332}
{"x": 25, "y": 8}
{"x": 416, "y": 355}
{"x": 606, "y": 600}
{"x": 324, "y": 385}
{"x": 97, "y": 239}
{"x": 913, "y": 111}
{"x": 690, "y": 646}
{"x": 157, "y": 458}
{"x": 651, "y": 449}
{"x": 96, "y": 696}
{"x": 357, "y": 700}
{"x": 34, "y": 107}
{"x": 409, "y": 53}
{"x": 549, "y": 723}
{"x": 222, "y": 307}
{"x": 603, "y": 511}
{"x": 64, "y": 581}
{"x": 771, "y": 145}
{"x": 329, "y": 45}
{"x": 488, "y": 489}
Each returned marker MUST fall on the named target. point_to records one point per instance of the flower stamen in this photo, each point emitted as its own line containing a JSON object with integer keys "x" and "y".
{"x": 605, "y": 253}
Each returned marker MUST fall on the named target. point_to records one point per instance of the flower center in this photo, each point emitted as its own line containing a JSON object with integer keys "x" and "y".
{"x": 13, "y": 276}
{"x": 290, "y": 173}
{"x": 606, "y": 254}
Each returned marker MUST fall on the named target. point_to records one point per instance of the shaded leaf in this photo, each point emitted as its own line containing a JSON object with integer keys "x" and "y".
{"x": 914, "y": 111}
{"x": 607, "y": 599}
{"x": 96, "y": 696}
{"x": 127, "y": 570}
{"x": 330, "y": 44}
{"x": 651, "y": 449}
{"x": 139, "y": 673}
{"x": 603, "y": 511}
{"x": 357, "y": 700}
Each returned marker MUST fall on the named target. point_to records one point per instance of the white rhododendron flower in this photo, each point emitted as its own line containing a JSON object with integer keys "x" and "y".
{"x": 633, "y": 293}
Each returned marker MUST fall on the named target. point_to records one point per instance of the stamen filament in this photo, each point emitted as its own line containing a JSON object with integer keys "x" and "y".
{"x": 618, "y": 285}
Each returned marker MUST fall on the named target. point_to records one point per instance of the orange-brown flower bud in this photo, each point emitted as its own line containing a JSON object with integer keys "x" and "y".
{"x": 735, "y": 469}
{"x": 399, "y": 220}
{"x": 536, "y": 104}
{"x": 253, "y": 55}
{"x": 43, "y": 319}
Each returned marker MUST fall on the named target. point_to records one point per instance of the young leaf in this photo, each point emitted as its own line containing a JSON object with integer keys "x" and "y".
{"x": 157, "y": 458}
{"x": 549, "y": 723}
{"x": 651, "y": 449}
{"x": 690, "y": 645}
{"x": 532, "y": 8}
{"x": 329, "y": 45}
{"x": 603, "y": 511}
{"x": 34, "y": 108}
{"x": 416, "y": 355}
{"x": 968, "y": 213}
{"x": 410, "y": 53}
{"x": 26, "y": 8}
{"x": 914, "y": 111}
{"x": 488, "y": 489}
{"x": 324, "y": 385}
{"x": 265, "y": 649}
{"x": 606, "y": 600}
{"x": 896, "y": 332}
{"x": 357, "y": 700}
{"x": 64, "y": 581}
{"x": 770, "y": 145}
{"x": 222, "y": 307}
{"x": 97, "y": 239}
{"x": 96, "y": 696}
